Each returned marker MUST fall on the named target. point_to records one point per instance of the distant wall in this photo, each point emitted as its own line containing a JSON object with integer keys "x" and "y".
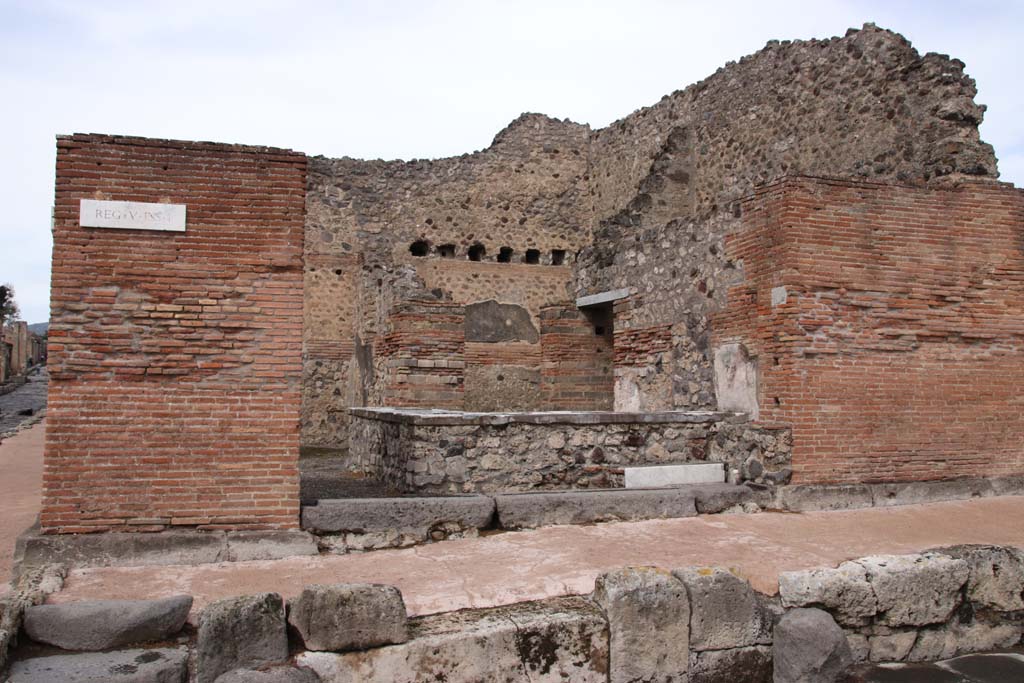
{"x": 175, "y": 356}
{"x": 887, "y": 324}
{"x": 523, "y": 199}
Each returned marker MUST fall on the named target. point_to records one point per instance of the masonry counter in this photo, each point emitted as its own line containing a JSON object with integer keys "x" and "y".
{"x": 446, "y": 452}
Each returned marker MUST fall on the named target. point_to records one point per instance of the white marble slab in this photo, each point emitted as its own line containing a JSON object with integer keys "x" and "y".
{"x": 96, "y": 213}
{"x": 652, "y": 476}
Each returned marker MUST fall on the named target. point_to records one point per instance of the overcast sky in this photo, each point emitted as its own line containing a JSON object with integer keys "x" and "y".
{"x": 378, "y": 79}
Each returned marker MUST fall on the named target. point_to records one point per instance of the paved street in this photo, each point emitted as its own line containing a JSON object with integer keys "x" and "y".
{"x": 21, "y": 476}
{"x": 28, "y": 397}
{"x": 980, "y": 668}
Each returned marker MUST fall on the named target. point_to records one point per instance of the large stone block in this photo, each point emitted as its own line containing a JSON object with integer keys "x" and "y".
{"x": 825, "y": 497}
{"x": 246, "y": 546}
{"x": 956, "y": 639}
{"x": 747, "y": 664}
{"x": 277, "y": 674}
{"x": 910, "y": 493}
{"x": 649, "y": 622}
{"x": 239, "y": 633}
{"x": 714, "y": 498}
{"x": 104, "y": 624}
{"x": 843, "y": 591}
{"x": 725, "y": 612}
{"x": 367, "y": 515}
{"x": 809, "y": 647}
{"x": 915, "y": 590}
{"x": 996, "y": 579}
{"x": 168, "y": 665}
{"x": 554, "y": 641}
{"x": 531, "y": 510}
{"x": 349, "y": 616}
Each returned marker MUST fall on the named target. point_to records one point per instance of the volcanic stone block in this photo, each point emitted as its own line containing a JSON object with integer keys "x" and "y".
{"x": 825, "y": 497}
{"x": 909, "y": 493}
{"x": 278, "y": 674}
{"x": 649, "y": 619}
{"x": 104, "y": 624}
{"x": 844, "y": 591}
{"x": 915, "y": 590}
{"x": 349, "y": 616}
{"x": 747, "y": 664}
{"x": 714, "y": 498}
{"x": 239, "y": 633}
{"x": 996, "y": 575}
{"x": 554, "y": 641}
{"x": 367, "y": 515}
{"x": 809, "y": 647}
{"x": 725, "y": 612}
{"x": 120, "y": 666}
{"x": 530, "y": 510}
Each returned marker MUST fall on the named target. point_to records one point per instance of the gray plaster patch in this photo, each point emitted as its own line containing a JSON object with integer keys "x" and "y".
{"x": 489, "y": 321}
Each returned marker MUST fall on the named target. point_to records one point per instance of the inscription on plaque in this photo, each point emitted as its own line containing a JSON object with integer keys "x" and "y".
{"x": 94, "y": 213}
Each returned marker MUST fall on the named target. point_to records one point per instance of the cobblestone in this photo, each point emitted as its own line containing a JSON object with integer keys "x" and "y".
{"x": 25, "y": 404}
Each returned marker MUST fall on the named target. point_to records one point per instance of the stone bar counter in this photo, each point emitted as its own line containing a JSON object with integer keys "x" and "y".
{"x": 447, "y": 452}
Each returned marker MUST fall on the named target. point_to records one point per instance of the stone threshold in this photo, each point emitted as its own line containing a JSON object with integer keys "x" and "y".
{"x": 591, "y": 417}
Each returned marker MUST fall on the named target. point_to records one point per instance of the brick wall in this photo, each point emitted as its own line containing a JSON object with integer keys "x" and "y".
{"x": 423, "y": 356}
{"x": 898, "y": 351}
{"x": 576, "y": 362}
{"x": 175, "y": 358}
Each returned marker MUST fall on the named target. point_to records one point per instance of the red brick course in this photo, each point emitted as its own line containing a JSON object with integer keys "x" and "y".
{"x": 898, "y": 353}
{"x": 576, "y": 366}
{"x": 175, "y": 358}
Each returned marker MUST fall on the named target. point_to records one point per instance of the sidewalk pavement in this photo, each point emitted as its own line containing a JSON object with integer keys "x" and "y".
{"x": 511, "y": 567}
{"x": 21, "y": 477}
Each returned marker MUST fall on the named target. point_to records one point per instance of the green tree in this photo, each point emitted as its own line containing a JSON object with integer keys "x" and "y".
{"x": 8, "y": 306}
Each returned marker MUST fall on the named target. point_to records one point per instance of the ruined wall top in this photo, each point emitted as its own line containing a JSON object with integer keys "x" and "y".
{"x": 865, "y": 105}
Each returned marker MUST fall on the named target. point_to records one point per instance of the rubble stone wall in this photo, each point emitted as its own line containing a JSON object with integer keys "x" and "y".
{"x": 526, "y": 192}
{"x": 472, "y": 454}
{"x": 887, "y": 323}
{"x": 174, "y": 356}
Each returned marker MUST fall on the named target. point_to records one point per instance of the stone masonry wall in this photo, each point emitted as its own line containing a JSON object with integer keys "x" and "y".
{"x": 887, "y": 323}
{"x": 174, "y": 356}
{"x": 554, "y": 455}
{"x": 527, "y": 191}
{"x": 666, "y": 178}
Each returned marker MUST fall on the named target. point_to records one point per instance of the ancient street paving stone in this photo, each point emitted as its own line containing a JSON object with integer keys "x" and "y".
{"x": 1005, "y": 667}
{"x": 122, "y": 666}
{"x": 240, "y": 632}
{"x": 23, "y": 403}
{"x": 102, "y": 624}
{"x": 349, "y": 616}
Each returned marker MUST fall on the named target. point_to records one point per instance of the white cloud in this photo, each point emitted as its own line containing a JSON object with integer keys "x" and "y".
{"x": 401, "y": 79}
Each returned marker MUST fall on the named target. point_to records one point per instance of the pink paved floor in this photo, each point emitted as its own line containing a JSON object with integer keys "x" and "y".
{"x": 511, "y": 567}
{"x": 21, "y": 477}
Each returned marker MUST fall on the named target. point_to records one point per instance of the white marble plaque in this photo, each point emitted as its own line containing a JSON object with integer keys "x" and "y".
{"x": 94, "y": 213}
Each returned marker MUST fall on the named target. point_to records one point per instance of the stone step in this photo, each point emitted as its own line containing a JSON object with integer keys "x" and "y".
{"x": 654, "y": 476}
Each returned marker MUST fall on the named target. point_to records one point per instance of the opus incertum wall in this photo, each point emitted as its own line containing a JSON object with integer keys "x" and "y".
{"x": 175, "y": 336}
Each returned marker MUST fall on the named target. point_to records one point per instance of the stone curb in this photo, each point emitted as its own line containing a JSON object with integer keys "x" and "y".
{"x": 816, "y": 497}
{"x": 368, "y": 515}
{"x": 531, "y": 510}
{"x": 160, "y": 549}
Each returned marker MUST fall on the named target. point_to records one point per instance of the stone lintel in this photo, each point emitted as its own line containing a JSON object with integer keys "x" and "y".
{"x": 601, "y": 298}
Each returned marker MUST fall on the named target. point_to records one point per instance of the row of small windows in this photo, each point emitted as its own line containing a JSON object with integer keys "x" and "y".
{"x": 478, "y": 252}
